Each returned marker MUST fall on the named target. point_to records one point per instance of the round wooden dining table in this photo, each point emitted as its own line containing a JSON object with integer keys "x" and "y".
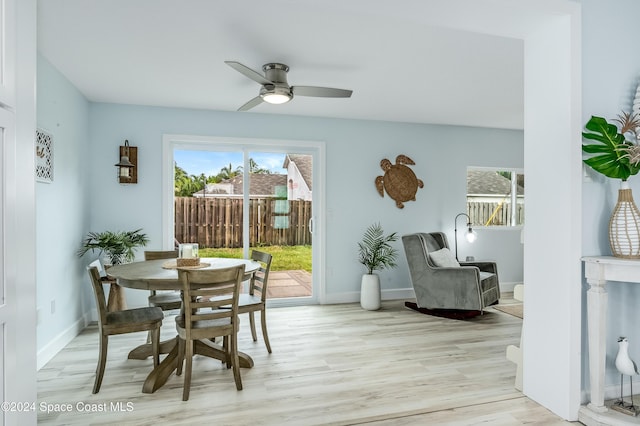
{"x": 162, "y": 274}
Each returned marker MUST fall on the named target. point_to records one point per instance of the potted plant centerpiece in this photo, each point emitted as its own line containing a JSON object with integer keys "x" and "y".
{"x": 615, "y": 153}
{"x": 375, "y": 253}
{"x": 117, "y": 247}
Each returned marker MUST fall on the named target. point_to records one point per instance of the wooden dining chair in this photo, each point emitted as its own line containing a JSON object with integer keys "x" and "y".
{"x": 115, "y": 300}
{"x": 256, "y": 299}
{"x": 121, "y": 322}
{"x": 204, "y": 292}
{"x": 166, "y": 300}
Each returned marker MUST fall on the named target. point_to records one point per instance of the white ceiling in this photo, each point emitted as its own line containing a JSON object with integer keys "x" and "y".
{"x": 405, "y": 64}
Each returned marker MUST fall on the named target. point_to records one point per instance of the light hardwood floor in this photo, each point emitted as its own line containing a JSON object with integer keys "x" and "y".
{"x": 334, "y": 364}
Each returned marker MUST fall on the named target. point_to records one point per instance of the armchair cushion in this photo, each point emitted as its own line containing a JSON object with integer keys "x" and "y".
{"x": 443, "y": 258}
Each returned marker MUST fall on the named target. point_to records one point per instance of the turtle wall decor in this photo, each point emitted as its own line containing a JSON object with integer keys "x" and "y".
{"x": 399, "y": 181}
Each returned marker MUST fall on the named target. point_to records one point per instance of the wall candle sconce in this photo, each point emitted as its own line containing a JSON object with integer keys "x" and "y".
{"x": 470, "y": 234}
{"x": 128, "y": 164}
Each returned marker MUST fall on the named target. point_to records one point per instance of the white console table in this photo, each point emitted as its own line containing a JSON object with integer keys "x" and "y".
{"x": 598, "y": 271}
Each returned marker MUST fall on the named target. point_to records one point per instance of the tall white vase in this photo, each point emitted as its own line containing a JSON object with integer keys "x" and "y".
{"x": 624, "y": 225}
{"x": 370, "y": 292}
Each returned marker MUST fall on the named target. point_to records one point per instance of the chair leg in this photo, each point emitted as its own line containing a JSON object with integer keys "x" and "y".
{"x": 252, "y": 321}
{"x": 155, "y": 344}
{"x": 265, "y": 336}
{"x": 225, "y": 346}
{"x": 102, "y": 361}
{"x": 235, "y": 361}
{"x": 181, "y": 344}
{"x": 187, "y": 374}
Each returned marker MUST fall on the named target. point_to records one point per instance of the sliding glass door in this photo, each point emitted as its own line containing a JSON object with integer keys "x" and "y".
{"x": 233, "y": 198}
{"x": 281, "y": 220}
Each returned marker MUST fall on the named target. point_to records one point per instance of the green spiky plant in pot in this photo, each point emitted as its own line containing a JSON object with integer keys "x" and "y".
{"x": 613, "y": 150}
{"x": 376, "y": 253}
{"x": 117, "y": 247}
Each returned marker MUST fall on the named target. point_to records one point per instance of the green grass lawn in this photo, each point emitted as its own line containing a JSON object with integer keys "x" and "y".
{"x": 285, "y": 258}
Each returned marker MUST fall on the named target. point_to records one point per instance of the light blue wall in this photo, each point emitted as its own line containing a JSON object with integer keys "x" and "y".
{"x": 62, "y": 208}
{"x": 611, "y": 73}
{"x": 353, "y": 153}
{"x": 85, "y": 195}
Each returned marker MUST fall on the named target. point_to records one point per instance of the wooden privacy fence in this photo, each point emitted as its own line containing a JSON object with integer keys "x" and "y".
{"x": 495, "y": 213}
{"x": 217, "y": 222}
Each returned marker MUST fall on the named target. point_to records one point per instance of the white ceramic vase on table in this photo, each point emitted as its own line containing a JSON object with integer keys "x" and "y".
{"x": 370, "y": 292}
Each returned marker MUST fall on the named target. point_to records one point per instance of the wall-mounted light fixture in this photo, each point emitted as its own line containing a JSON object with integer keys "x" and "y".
{"x": 128, "y": 164}
{"x": 470, "y": 234}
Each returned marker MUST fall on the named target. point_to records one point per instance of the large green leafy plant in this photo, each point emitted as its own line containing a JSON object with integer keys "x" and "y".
{"x": 118, "y": 246}
{"x": 376, "y": 252}
{"x": 612, "y": 153}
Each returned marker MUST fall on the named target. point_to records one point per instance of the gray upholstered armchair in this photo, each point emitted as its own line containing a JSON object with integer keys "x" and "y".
{"x": 471, "y": 286}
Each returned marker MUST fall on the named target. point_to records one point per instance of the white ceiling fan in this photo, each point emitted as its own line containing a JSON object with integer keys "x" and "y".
{"x": 276, "y": 90}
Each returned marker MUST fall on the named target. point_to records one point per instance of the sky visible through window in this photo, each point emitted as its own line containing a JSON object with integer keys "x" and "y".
{"x": 210, "y": 162}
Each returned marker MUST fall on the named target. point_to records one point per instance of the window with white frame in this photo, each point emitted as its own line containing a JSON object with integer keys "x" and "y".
{"x": 495, "y": 196}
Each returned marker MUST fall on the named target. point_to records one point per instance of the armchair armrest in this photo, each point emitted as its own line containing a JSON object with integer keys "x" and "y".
{"x": 462, "y": 271}
{"x": 490, "y": 267}
{"x": 457, "y": 287}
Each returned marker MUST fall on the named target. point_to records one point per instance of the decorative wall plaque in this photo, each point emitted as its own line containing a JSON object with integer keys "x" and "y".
{"x": 398, "y": 181}
{"x": 44, "y": 156}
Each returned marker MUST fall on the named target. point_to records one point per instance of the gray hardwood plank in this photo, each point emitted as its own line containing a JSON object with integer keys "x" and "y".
{"x": 332, "y": 364}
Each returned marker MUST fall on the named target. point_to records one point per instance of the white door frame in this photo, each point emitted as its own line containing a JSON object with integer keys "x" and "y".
{"x": 17, "y": 99}
{"x": 315, "y": 148}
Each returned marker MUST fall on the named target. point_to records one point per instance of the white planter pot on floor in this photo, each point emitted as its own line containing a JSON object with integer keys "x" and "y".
{"x": 370, "y": 292}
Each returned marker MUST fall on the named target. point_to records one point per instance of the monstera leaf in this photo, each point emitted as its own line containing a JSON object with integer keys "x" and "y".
{"x": 610, "y": 150}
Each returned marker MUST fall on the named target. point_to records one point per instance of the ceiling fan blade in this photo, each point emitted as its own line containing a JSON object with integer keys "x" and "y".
{"x": 248, "y": 72}
{"x": 321, "y": 92}
{"x": 252, "y": 103}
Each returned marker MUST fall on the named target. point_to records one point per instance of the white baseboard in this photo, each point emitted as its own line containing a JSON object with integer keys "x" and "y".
{"x": 613, "y": 391}
{"x": 354, "y": 296}
{"x": 92, "y": 316}
{"x": 591, "y": 417}
{"x": 392, "y": 294}
{"x": 58, "y": 343}
{"x": 508, "y": 287}
{"x": 398, "y": 293}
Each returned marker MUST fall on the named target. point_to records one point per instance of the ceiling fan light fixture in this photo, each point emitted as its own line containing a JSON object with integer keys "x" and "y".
{"x": 276, "y": 95}
{"x": 276, "y": 98}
